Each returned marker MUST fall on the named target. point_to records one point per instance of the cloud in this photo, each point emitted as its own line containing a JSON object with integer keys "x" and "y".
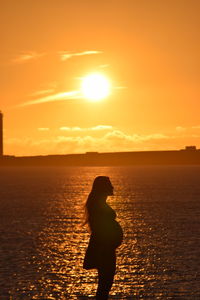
{"x": 64, "y": 55}
{"x": 95, "y": 128}
{"x": 43, "y": 129}
{"x": 102, "y": 127}
{"x": 196, "y": 127}
{"x": 180, "y": 129}
{"x": 24, "y": 57}
{"x": 114, "y": 140}
{"x": 51, "y": 98}
{"x": 117, "y": 135}
{"x": 42, "y": 92}
{"x": 104, "y": 66}
{"x": 64, "y": 128}
{"x": 27, "y": 56}
{"x": 187, "y": 129}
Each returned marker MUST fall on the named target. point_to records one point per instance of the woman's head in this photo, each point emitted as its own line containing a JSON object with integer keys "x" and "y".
{"x": 102, "y": 186}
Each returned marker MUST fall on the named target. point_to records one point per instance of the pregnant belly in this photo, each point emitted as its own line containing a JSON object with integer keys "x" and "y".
{"x": 116, "y": 234}
{"x": 109, "y": 234}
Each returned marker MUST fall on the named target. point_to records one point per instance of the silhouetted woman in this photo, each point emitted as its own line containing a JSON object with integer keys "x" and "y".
{"x": 106, "y": 235}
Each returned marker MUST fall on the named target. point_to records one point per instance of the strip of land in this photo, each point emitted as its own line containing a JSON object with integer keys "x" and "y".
{"x": 189, "y": 155}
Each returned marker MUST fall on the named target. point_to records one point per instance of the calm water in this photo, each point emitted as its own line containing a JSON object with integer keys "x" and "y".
{"x": 42, "y": 241}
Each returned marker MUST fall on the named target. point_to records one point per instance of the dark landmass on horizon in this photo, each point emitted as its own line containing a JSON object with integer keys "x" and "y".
{"x": 189, "y": 155}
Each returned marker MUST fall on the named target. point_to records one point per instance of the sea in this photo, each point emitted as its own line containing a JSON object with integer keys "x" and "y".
{"x": 43, "y": 238}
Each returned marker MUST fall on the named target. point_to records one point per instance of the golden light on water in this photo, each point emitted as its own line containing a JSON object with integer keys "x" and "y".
{"x": 95, "y": 87}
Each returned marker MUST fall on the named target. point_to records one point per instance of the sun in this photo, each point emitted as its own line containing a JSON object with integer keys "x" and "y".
{"x": 95, "y": 87}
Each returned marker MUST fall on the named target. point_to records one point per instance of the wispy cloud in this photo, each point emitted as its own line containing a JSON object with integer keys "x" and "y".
{"x": 102, "y": 127}
{"x": 43, "y": 129}
{"x": 95, "y": 128}
{"x": 65, "y": 128}
{"x": 180, "y": 128}
{"x": 187, "y": 129}
{"x": 64, "y": 55}
{"x": 51, "y": 98}
{"x": 136, "y": 138}
{"x": 104, "y": 66}
{"x": 24, "y": 57}
{"x": 196, "y": 127}
{"x": 42, "y": 92}
{"x": 27, "y": 56}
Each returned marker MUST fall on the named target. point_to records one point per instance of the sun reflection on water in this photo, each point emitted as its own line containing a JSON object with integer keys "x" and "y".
{"x": 43, "y": 245}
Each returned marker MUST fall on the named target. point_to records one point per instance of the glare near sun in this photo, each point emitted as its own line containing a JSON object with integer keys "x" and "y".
{"x": 95, "y": 87}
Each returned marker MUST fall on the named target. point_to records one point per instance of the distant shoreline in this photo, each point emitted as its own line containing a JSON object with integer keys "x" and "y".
{"x": 190, "y": 155}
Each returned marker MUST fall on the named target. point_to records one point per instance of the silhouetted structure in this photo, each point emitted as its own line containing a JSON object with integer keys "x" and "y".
{"x": 1, "y": 134}
{"x": 188, "y": 156}
{"x": 190, "y": 148}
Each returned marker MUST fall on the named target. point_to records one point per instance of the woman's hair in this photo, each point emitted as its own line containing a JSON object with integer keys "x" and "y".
{"x": 100, "y": 187}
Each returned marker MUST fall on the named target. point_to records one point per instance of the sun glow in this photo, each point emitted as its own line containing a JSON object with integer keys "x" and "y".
{"x": 95, "y": 87}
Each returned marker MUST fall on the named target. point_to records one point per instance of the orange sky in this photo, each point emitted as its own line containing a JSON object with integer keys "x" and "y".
{"x": 149, "y": 49}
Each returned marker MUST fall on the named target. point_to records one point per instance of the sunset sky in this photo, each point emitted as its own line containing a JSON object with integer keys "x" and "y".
{"x": 147, "y": 49}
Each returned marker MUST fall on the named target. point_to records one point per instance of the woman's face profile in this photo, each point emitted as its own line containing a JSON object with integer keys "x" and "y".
{"x": 110, "y": 188}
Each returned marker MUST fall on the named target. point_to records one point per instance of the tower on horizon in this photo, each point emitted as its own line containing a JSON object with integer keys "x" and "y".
{"x": 1, "y": 134}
